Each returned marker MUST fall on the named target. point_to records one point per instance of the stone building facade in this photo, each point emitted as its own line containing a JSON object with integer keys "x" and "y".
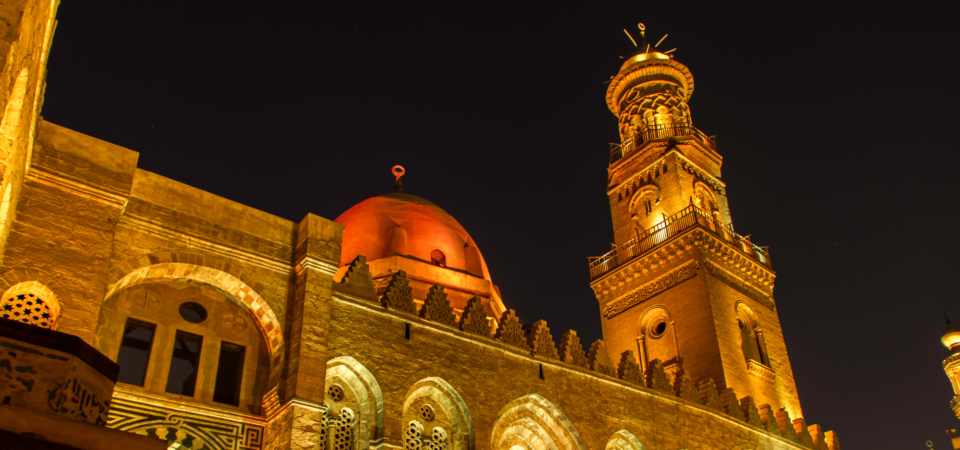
{"x": 235, "y": 329}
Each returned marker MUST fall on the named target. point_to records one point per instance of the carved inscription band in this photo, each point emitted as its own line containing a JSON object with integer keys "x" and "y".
{"x": 664, "y": 282}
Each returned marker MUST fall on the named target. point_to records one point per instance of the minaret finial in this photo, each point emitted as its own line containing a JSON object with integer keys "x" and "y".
{"x": 642, "y": 28}
{"x": 398, "y": 172}
{"x": 945, "y": 316}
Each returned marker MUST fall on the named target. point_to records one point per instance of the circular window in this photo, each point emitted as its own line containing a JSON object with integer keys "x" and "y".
{"x": 427, "y": 413}
{"x": 193, "y": 312}
{"x": 658, "y": 328}
{"x": 335, "y": 392}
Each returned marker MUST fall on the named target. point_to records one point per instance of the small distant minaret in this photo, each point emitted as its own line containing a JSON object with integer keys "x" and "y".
{"x": 951, "y": 365}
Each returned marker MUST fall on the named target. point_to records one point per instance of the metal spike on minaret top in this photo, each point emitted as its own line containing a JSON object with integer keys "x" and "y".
{"x": 398, "y": 172}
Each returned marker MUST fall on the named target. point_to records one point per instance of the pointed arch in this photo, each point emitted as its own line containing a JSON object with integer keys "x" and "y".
{"x": 624, "y": 440}
{"x": 351, "y": 386}
{"x": 450, "y": 412}
{"x": 531, "y": 422}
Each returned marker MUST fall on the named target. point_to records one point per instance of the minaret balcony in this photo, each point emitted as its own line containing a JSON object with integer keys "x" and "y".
{"x": 660, "y": 131}
{"x": 689, "y": 218}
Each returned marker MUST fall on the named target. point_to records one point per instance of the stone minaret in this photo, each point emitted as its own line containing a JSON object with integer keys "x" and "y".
{"x": 951, "y": 365}
{"x": 680, "y": 286}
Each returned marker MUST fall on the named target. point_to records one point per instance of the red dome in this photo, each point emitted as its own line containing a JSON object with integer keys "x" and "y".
{"x": 407, "y": 225}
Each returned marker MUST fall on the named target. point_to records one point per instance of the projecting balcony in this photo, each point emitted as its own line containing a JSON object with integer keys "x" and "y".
{"x": 690, "y": 217}
{"x": 656, "y": 132}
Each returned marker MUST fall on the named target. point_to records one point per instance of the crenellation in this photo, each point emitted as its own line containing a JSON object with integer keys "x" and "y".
{"x": 685, "y": 388}
{"x": 474, "y": 319}
{"x": 511, "y": 332}
{"x": 709, "y": 395}
{"x": 787, "y": 428}
{"x": 540, "y": 340}
{"x": 398, "y": 294}
{"x": 629, "y": 370}
{"x": 437, "y": 307}
{"x": 599, "y": 360}
{"x": 751, "y": 414}
{"x": 657, "y": 378}
{"x": 571, "y": 350}
{"x": 803, "y": 433}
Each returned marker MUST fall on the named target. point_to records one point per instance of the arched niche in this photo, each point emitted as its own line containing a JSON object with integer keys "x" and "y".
{"x": 751, "y": 335}
{"x": 531, "y": 422}
{"x": 353, "y": 390}
{"x": 187, "y": 341}
{"x": 442, "y": 414}
{"x": 624, "y": 440}
{"x": 657, "y": 337}
{"x": 644, "y": 207}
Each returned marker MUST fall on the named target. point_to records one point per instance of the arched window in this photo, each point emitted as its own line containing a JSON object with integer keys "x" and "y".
{"x": 354, "y": 414}
{"x": 435, "y": 417}
{"x": 30, "y": 302}
{"x": 751, "y": 336}
{"x": 185, "y": 340}
{"x": 437, "y": 258}
{"x": 643, "y": 204}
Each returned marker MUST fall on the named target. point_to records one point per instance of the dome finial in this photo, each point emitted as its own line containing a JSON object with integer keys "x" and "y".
{"x": 945, "y": 316}
{"x": 398, "y": 172}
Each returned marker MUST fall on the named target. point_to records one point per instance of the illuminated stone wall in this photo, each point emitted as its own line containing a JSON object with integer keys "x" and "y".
{"x": 26, "y": 32}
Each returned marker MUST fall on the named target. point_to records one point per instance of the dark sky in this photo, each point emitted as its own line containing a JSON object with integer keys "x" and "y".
{"x": 837, "y": 126}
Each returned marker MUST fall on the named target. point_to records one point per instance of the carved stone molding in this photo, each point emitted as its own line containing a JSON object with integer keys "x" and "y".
{"x": 739, "y": 285}
{"x": 761, "y": 371}
{"x": 647, "y": 290}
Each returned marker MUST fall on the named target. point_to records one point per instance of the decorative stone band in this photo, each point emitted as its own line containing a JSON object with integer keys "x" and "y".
{"x": 739, "y": 285}
{"x": 761, "y": 371}
{"x": 192, "y": 426}
{"x": 660, "y": 284}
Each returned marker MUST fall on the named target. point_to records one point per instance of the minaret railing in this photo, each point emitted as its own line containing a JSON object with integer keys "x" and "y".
{"x": 658, "y": 131}
{"x": 646, "y": 240}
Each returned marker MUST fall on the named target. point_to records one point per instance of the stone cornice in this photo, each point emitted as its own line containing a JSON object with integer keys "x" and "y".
{"x": 739, "y": 284}
{"x": 627, "y": 277}
{"x": 652, "y": 288}
{"x": 76, "y": 187}
{"x": 204, "y": 245}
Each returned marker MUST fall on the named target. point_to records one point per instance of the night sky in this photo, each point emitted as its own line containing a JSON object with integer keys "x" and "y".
{"x": 837, "y": 128}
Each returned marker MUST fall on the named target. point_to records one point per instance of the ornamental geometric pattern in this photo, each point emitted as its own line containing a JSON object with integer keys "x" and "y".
{"x": 28, "y": 308}
{"x": 192, "y": 431}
